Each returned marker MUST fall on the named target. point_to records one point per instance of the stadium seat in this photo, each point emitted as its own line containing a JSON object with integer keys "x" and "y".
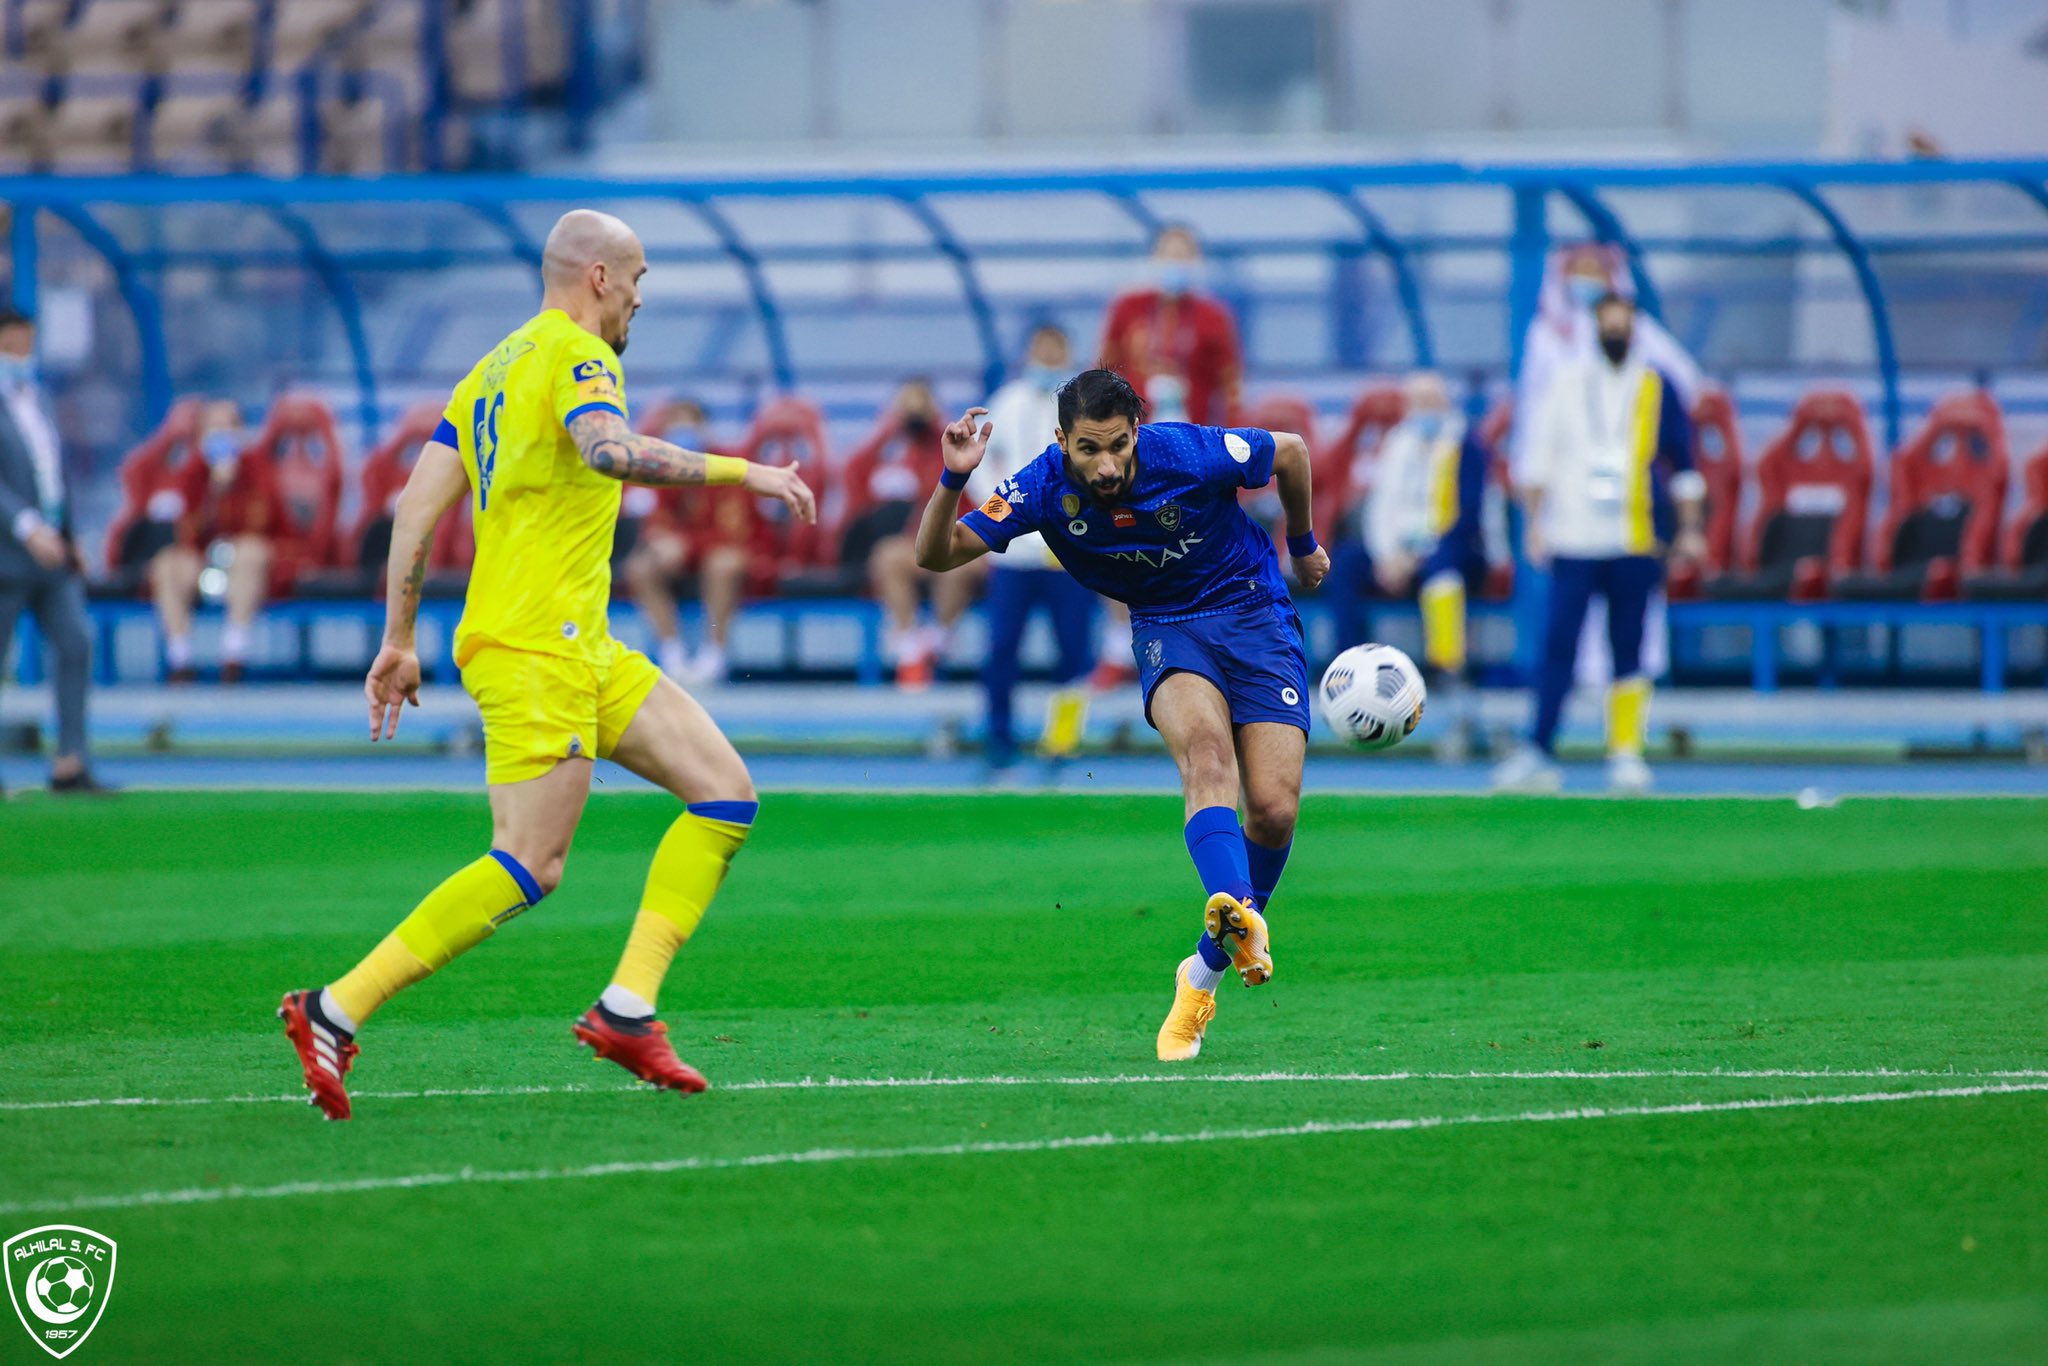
{"x": 212, "y": 35}
{"x": 299, "y": 440}
{"x": 1343, "y": 468}
{"x": 191, "y": 132}
{"x": 24, "y": 136}
{"x": 92, "y": 133}
{"x": 1813, "y": 483}
{"x": 304, "y": 27}
{"x": 1717, "y": 455}
{"x": 113, "y": 36}
{"x": 362, "y": 550}
{"x": 1276, "y": 413}
{"x": 2022, "y": 572}
{"x": 151, "y": 504}
{"x": 1946, "y": 494}
{"x": 785, "y": 431}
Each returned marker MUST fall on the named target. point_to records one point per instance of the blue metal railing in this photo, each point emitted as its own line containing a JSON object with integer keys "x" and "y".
{"x": 1530, "y": 188}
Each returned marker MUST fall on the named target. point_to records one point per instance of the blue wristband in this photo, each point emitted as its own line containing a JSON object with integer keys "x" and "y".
{"x": 950, "y": 480}
{"x": 1302, "y": 546}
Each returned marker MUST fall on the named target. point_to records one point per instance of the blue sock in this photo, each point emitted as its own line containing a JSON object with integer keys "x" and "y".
{"x": 1266, "y": 864}
{"x": 1217, "y": 845}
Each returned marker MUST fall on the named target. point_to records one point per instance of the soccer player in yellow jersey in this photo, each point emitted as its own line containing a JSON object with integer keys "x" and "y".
{"x": 536, "y": 438}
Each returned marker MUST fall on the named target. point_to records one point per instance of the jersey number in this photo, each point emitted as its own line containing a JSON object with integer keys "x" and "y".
{"x": 485, "y": 422}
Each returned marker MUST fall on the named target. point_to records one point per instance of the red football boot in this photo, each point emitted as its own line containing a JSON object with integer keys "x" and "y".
{"x": 325, "y": 1053}
{"x": 641, "y": 1047}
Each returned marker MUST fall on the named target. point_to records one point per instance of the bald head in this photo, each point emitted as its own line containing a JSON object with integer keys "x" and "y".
{"x": 590, "y": 269}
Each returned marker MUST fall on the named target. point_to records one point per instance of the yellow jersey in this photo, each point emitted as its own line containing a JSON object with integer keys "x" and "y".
{"x": 544, "y": 520}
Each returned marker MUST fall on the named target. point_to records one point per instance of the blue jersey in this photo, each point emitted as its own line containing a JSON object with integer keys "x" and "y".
{"x": 1178, "y": 546}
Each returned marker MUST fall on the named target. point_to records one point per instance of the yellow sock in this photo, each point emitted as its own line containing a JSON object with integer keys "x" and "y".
{"x": 1066, "y": 717}
{"x": 1443, "y": 623}
{"x": 455, "y": 917}
{"x": 1628, "y": 715}
{"x": 688, "y": 866}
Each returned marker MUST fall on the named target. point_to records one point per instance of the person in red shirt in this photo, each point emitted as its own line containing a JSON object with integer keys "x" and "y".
{"x": 714, "y": 534}
{"x": 228, "y": 508}
{"x": 1178, "y": 347}
{"x": 886, "y": 480}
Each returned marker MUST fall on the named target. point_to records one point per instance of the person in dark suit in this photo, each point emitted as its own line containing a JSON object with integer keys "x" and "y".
{"x": 41, "y": 570}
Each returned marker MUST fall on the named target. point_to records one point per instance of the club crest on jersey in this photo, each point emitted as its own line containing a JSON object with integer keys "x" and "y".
{"x": 59, "y": 1277}
{"x": 1124, "y": 518}
{"x": 1071, "y": 504}
{"x": 1169, "y": 516}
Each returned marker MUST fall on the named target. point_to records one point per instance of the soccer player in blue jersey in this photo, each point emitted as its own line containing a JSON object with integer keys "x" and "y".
{"x": 1148, "y": 514}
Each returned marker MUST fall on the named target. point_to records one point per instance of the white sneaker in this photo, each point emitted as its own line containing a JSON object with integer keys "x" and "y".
{"x": 1528, "y": 769}
{"x": 1628, "y": 774}
{"x": 708, "y": 668}
{"x": 669, "y": 654}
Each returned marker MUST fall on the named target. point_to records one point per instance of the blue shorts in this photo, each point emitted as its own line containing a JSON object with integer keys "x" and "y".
{"x": 1253, "y": 655}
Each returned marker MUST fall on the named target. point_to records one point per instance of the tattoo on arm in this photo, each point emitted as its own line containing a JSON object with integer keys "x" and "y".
{"x": 615, "y": 450}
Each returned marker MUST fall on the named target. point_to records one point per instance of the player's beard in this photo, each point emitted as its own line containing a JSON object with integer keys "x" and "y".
{"x": 1113, "y": 498}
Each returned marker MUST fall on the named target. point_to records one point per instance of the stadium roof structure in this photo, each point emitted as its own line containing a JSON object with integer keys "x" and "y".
{"x": 299, "y": 208}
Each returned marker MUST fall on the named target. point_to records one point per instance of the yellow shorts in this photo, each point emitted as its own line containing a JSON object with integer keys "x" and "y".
{"x": 540, "y": 709}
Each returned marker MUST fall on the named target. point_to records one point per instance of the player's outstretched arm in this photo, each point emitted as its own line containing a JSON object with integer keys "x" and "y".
{"x": 615, "y": 450}
{"x": 1297, "y": 500}
{"x": 438, "y": 482}
{"x": 943, "y": 541}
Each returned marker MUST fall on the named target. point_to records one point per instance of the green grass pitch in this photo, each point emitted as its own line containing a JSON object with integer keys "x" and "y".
{"x": 1471, "y": 945}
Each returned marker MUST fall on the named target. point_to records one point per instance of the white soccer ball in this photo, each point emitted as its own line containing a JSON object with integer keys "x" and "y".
{"x": 1372, "y": 695}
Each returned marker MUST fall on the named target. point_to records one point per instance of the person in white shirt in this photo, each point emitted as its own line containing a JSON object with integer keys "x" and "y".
{"x": 1563, "y": 332}
{"x": 1608, "y": 486}
{"x": 1025, "y": 416}
{"x": 41, "y": 571}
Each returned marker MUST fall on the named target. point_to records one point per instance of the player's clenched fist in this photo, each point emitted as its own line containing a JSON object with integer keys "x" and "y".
{"x": 783, "y": 482}
{"x": 964, "y": 446}
{"x": 1311, "y": 568}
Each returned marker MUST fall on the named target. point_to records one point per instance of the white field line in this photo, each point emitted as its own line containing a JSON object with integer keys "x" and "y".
{"x": 829, "y": 1083}
{"x": 201, "y": 1195}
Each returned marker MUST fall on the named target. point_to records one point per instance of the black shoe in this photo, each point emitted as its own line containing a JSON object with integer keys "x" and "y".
{"x": 80, "y": 784}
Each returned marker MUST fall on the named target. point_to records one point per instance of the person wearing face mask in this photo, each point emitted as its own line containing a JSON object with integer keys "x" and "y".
{"x": 40, "y": 569}
{"x": 1177, "y": 344}
{"x": 1563, "y": 331}
{"x": 884, "y": 480}
{"x": 1025, "y": 413}
{"x": 1422, "y": 519}
{"x": 1609, "y": 490}
{"x": 229, "y": 506}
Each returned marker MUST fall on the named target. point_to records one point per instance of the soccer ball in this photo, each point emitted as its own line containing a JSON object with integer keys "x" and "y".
{"x": 65, "y": 1284}
{"x": 1372, "y": 696}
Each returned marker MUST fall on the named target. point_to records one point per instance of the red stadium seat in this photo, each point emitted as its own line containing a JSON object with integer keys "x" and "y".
{"x": 299, "y": 441}
{"x": 151, "y": 503}
{"x": 1342, "y": 468}
{"x": 361, "y": 552}
{"x": 1717, "y": 455}
{"x": 1276, "y": 413}
{"x": 1813, "y": 482}
{"x": 2022, "y": 572}
{"x": 1947, "y": 496}
{"x": 786, "y": 431}
{"x": 1494, "y": 430}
